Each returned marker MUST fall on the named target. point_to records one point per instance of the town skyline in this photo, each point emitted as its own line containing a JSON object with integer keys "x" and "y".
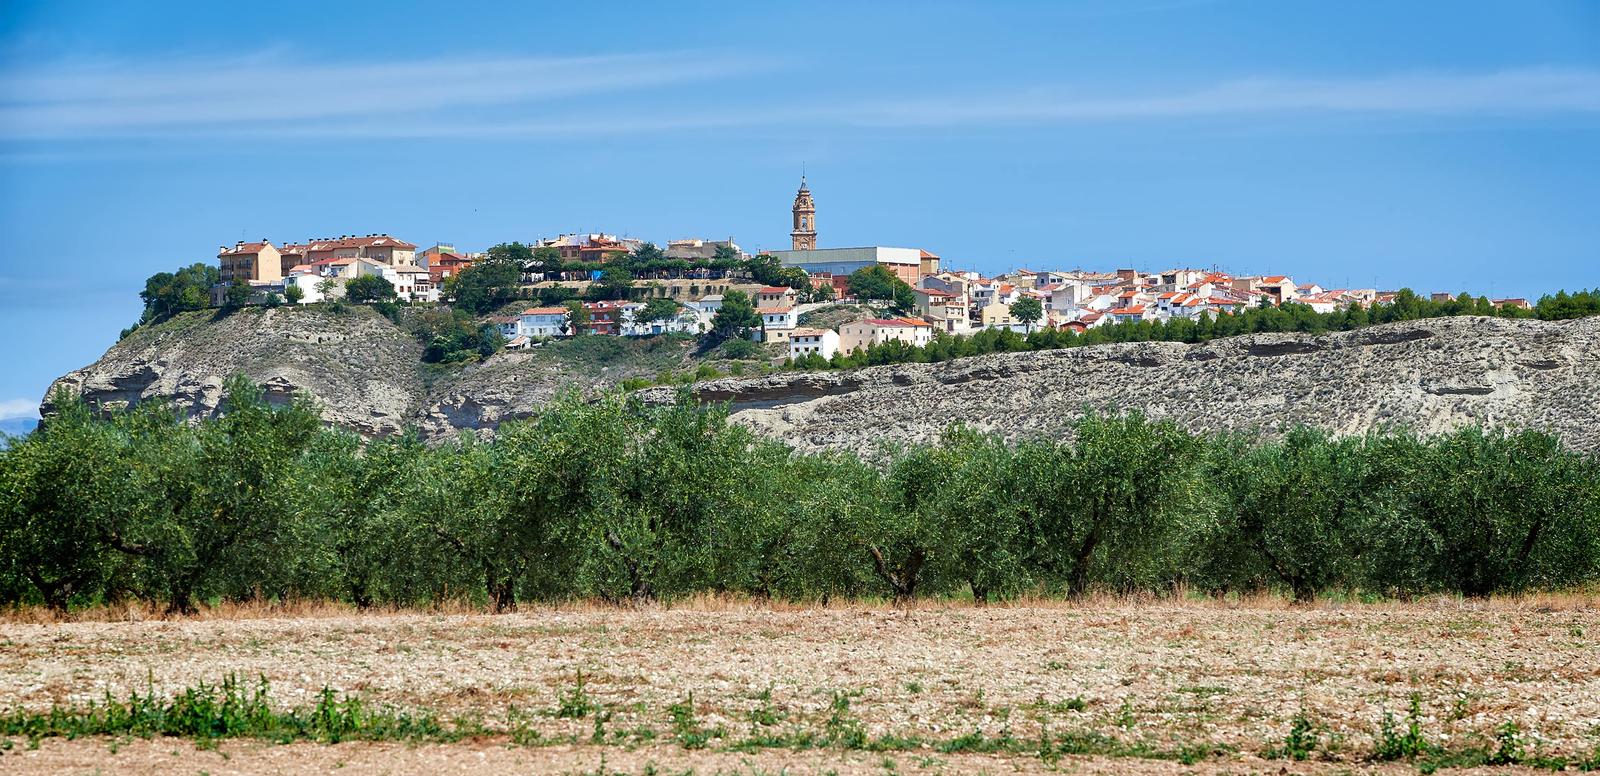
{"x": 1360, "y": 147}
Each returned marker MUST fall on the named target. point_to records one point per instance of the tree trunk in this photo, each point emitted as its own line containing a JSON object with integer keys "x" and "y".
{"x": 903, "y": 584}
{"x": 1080, "y": 566}
{"x": 1304, "y": 592}
{"x": 182, "y": 602}
{"x": 638, "y": 586}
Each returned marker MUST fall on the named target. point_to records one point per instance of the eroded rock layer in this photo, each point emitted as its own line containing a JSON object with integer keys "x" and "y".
{"x": 1429, "y": 375}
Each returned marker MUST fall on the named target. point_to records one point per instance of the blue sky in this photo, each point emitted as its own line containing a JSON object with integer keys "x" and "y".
{"x": 1440, "y": 145}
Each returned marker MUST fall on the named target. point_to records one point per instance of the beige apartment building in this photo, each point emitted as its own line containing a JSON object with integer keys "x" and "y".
{"x": 250, "y": 262}
{"x": 380, "y": 248}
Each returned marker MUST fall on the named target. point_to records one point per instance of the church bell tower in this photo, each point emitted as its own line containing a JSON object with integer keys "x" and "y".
{"x": 804, "y": 236}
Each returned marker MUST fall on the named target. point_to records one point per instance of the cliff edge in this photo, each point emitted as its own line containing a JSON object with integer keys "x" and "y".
{"x": 1430, "y": 375}
{"x": 366, "y": 374}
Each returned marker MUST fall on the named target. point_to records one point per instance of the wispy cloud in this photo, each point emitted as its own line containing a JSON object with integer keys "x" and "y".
{"x": 513, "y": 97}
{"x": 254, "y": 95}
{"x": 10, "y": 409}
{"x": 1509, "y": 92}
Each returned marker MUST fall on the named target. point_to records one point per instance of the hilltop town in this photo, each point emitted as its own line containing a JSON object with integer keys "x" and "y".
{"x": 602, "y": 284}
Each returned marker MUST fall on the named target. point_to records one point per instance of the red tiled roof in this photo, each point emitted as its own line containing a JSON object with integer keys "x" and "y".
{"x": 1135, "y": 310}
{"x": 244, "y": 249}
{"x": 545, "y": 311}
{"x": 370, "y": 241}
{"x": 776, "y": 289}
{"x": 773, "y": 310}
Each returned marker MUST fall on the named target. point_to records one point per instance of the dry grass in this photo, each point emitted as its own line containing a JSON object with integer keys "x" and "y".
{"x": 134, "y": 611}
{"x": 1163, "y": 675}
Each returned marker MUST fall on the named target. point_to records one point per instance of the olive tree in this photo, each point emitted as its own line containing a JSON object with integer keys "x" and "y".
{"x": 1115, "y": 500}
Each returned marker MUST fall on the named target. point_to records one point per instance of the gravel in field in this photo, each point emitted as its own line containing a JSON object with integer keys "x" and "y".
{"x": 1167, "y": 676}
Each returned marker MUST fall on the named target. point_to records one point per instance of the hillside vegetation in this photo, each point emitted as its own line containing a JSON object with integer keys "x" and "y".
{"x": 613, "y": 500}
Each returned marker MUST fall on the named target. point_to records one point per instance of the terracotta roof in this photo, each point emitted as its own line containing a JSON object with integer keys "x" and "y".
{"x": 369, "y": 241}
{"x": 927, "y": 255}
{"x": 776, "y": 289}
{"x": 1135, "y": 310}
{"x": 244, "y": 249}
{"x": 773, "y": 310}
{"x": 932, "y": 292}
{"x": 806, "y": 332}
{"x": 545, "y": 311}
{"x": 1274, "y": 279}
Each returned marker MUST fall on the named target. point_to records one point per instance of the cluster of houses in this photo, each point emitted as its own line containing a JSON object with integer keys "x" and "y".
{"x": 320, "y": 267}
{"x": 950, "y": 301}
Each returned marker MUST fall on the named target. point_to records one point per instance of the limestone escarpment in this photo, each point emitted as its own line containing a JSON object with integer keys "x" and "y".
{"x": 1429, "y": 375}
{"x": 356, "y": 365}
{"x": 364, "y": 372}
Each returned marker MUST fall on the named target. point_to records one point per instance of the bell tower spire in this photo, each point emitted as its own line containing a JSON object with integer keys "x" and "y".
{"x": 804, "y": 235}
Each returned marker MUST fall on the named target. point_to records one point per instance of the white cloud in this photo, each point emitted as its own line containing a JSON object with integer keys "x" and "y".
{"x": 117, "y": 99}
{"x": 1508, "y": 92}
{"x": 276, "y": 97}
{"x": 18, "y": 408}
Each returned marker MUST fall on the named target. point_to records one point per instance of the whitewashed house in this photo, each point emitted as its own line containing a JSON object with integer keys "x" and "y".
{"x": 777, "y": 323}
{"x": 875, "y": 331}
{"x": 543, "y": 322}
{"x": 805, "y": 342}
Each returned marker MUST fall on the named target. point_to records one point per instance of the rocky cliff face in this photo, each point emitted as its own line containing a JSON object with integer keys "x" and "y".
{"x": 362, "y": 370}
{"x": 358, "y": 366}
{"x": 1429, "y": 375}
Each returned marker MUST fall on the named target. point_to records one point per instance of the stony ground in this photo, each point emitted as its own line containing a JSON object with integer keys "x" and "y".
{"x": 1198, "y": 677}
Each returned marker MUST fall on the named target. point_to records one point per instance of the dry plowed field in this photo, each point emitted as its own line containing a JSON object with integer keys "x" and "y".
{"x": 1113, "y": 687}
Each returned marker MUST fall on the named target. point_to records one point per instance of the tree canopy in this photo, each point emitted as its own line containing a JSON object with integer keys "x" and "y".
{"x": 368, "y": 288}
{"x": 491, "y": 282}
{"x": 658, "y": 308}
{"x": 878, "y": 283}
{"x": 1028, "y": 310}
{"x": 736, "y": 317}
{"x": 169, "y": 293}
{"x": 607, "y": 498}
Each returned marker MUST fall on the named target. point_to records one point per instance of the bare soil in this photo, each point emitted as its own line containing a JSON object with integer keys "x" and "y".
{"x": 1167, "y": 677}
